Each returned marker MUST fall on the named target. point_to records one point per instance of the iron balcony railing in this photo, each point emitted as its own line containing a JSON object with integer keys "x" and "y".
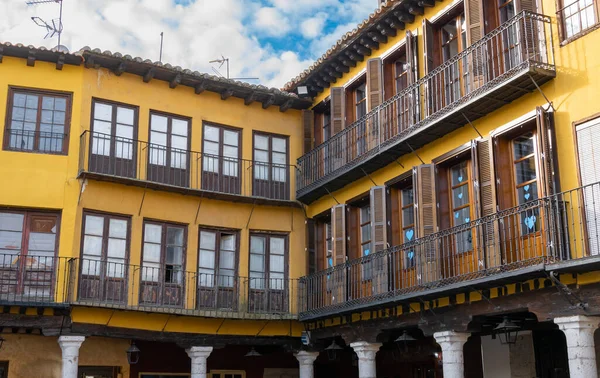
{"x": 32, "y": 279}
{"x": 533, "y": 236}
{"x": 35, "y": 141}
{"x": 134, "y": 159}
{"x": 522, "y": 43}
{"x": 100, "y": 283}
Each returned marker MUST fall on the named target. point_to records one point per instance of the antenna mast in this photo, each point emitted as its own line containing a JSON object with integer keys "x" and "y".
{"x": 54, "y": 27}
{"x": 224, "y": 60}
{"x": 161, "y": 46}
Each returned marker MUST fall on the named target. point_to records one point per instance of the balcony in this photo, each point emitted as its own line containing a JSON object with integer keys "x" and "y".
{"x": 95, "y": 283}
{"x": 507, "y": 63}
{"x": 133, "y": 162}
{"x": 559, "y": 233}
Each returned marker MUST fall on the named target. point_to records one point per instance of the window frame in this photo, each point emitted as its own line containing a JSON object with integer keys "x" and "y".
{"x": 218, "y": 232}
{"x": 68, "y": 96}
{"x": 163, "y": 246}
{"x": 169, "y": 133}
{"x": 223, "y": 372}
{"x": 562, "y": 33}
{"x": 26, "y": 229}
{"x": 270, "y": 136}
{"x": 409, "y": 263}
{"x": 221, "y": 128}
{"x": 267, "y": 258}
{"x": 113, "y": 128}
{"x": 471, "y": 205}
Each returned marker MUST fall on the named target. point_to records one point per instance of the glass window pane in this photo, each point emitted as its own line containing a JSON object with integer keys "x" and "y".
{"x": 231, "y": 137}
{"x": 158, "y": 123}
{"x": 102, "y": 127}
{"x": 279, "y": 158}
{"x": 462, "y": 216}
{"x": 261, "y": 142}
{"x": 124, "y": 131}
{"x": 257, "y": 244}
{"x": 125, "y": 116}
{"x": 228, "y": 242}
{"x": 227, "y": 260}
{"x": 32, "y": 101}
{"x": 174, "y": 255}
{"x": 175, "y": 236}
{"x": 11, "y": 221}
{"x": 11, "y": 240}
{"x": 102, "y": 112}
{"x": 459, "y": 173}
{"x": 523, "y": 146}
{"x": 231, "y": 152}
{"x": 277, "y": 245}
{"x": 211, "y": 148}
{"x": 261, "y": 156}
{"x": 179, "y": 127}
{"x": 525, "y": 170}
{"x": 60, "y": 104}
{"x": 257, "y": 263}
{"x": 179, "y": 142}
{"x": 257, "y": 280}
{"x": 207, "y": 259}
{"x": 152, "y": 233}
{"x": 365, "y": 214}
{"x": 527, "y": 193}
{"x": 460, "y": 196}
{"x": 207, "y": 240}
{"x": 279, "y": 145}
{"x": 408, "y": 216}
{"x": 19, "y": 99}
{"x": 18, "y": 114}
{"x": 211, "y": 133}
{"x": 30, "y": 115}
{"x": 276, "y": 263}
{"x": 92, "y": 246}
{"x": 117, "y": 248}
{"x": 118, "y": 228}
{"x": 151, "y": 253}
{"x": 94, "y": 225}
{"x": 115, "y": 268}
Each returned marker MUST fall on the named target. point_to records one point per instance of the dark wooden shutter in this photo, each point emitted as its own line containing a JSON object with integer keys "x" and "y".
{"x": 318, "y": 129}
{"x": 311, "y": 250}
{"x": 412, "y": 58}
{"x": 338, "y": 230}
{"x": 525, "y": 5}
{"x": 320, "y": 246}
{"x": 374, "y": 83}
{"x": 378, "y": 218}
{"x": 429, "y": 45}
{"x": 353, "y": 246}
{"x": 548, "y": 158}
{"x": 427, "y": 253}
{"x": 308, "y": 121}
{"x": 338, "y": 110}
{"x": 474, "y": 18}
{"x": 488, "y": 205}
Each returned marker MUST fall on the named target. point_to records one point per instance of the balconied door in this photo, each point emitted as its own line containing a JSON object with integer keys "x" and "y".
{"x": 221, "y": 160}
{"x": 271, "y": 174}
{"x": 168, "y": 151}
{"x": 113, "y": 150}
{"x": 268, "y": 286}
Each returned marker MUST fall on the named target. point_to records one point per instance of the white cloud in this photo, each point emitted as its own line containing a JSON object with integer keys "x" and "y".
{"x": 196, "y": 32}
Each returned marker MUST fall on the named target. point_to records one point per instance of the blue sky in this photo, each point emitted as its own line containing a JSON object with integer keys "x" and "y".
{"x": 273, "y": 40}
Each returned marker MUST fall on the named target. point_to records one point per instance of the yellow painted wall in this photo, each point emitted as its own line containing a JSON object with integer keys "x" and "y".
{"x": 572, "y": 92}
{"x": 37, "y": 356}
{"x": 50, "y": 181}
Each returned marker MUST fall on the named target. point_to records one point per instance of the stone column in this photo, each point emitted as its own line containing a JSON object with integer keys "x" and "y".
{"x": 306, "y": 361}
{"x": 453, "y": 362}
{"x": 199, "y": 355}
{"x": 70, "y": 354}
{"x": 579, "y": 331}
{"x": 366, "y": 358}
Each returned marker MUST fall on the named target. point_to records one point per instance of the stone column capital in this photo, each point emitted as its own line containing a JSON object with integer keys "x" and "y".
{"x": 306, "y": 358}
{"x": 577, "y": 322}
{"x": 70, "y": 345}
{"x": 199, "y": 352}
{"x": 365, "y": 350}
{"x": 450, "y": 340}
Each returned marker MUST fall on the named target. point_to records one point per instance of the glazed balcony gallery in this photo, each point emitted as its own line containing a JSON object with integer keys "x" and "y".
{"x": 388, "y": 112}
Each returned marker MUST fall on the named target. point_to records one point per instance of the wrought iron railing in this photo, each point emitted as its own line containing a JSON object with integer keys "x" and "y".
{"x": 35, "y": 141}
{"x": 538, "y": 233}
{"x": 134, "y": 159}
{"x": 522, "y": 43}
{"x": 101, "y": 283}
{"x": 32, "y": 279}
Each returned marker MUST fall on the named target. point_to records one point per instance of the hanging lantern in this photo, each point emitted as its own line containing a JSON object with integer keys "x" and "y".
{"x": 133, "y": 354}
{"x": 332, "y": 350}
{"x": 404, "y": 339}
{"x": 252, "y": 353}
{"x": 507, "y": 331}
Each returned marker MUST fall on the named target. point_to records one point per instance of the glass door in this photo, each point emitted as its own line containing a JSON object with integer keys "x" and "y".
{"x": 169, "y": 159}
{"x": 271, "y": 174}
{"x": 221, "y": 159}
{"x": 217, "y": 280}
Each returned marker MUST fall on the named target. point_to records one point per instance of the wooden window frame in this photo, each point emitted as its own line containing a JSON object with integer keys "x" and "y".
{"x": 564, "y": 39}
{"x": 405, "y": 227}
{"x": 105, "y": 232}
{"x": 163, "y": 245}
{"x": 463, "y": 77}
{"x": 360, "y": 102}
{"x": 362, "y": 223}
{"x": 170, "y": 117}
{"x": 68, "y": 96}
{"x": 268, "y": 235}
{"x": 218, "y": 231}
{"x": 113, "y": 122}
{"x": 221, "y": 128}
{"x": 269, "y": 151}
{"x": 26, "y": 230}
{"x": 229, "y": 372}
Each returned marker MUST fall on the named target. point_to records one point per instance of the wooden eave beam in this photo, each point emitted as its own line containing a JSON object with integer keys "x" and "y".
{"x": 404, "y": 16}
{"x": 377, "y": 36}
{"x": 250, "y": 98}
{"x": 1, "y": 53}
{"x": 268, "y": 102}
{"x": 354, "y": 57}
{"x": 369, "y": 43}
{"x": 322, "y": 84}
{"x": 120, "y": 69}
{"x": 149, "y": 75}
{"x": 346, "y": 61}
{"x": 334, "y": 73}
{"x": 286, "y": 105}
{"x": 175, "y": 81}
{"x": 31, "y": 58}
{"x": 395, "y": 23}
{"x": 362, "y": 50}
{"x": 200, "y": 87}
{"x": 416, "y": 10}
{"x": 386, "y": 30}
{"x": 226, "y": 94}
{"x": 427, "y": 3}
{"x": 89, "y": 62}
{"x": 339, "y": 67}
{"x": 60, "y": 62}
{"x": 329, "y": 79}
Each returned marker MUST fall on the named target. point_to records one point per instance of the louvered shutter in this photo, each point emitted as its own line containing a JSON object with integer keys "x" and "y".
{"x": 488, "y": 204}
{"x": 427, "y": 252}
{"x": 412, "y": 58}
{"x": 374, "y": 82}
{"x": 378, "y": 218}
{"x": 320, "y": 246}
{"x": 525, "y": 5}
{"x": 548, "y": 161}
{"x": 429, "y": 46}
{"x": 338, "y": 228}
{"x": 311, "y": 250}
{"x": 338, "y": 109}
{"x": 475, "y": 30}
{"x": 589, "y": 155}
{"x": 308, "y": 122}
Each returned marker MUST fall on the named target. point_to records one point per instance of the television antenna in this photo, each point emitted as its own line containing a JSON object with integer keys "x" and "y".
{"x": 55, "y": 26}
{"x": 224, "y": 61}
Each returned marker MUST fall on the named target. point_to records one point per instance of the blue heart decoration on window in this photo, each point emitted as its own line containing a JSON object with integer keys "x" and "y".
{"x": 330, "y": 262}
{"x": 467, "y": 220}
{"x": 526, "y": 187}
{"x": 367, "y": 252}
{"x": 530, "y": 222}
{"x": 460, "y": 195}
{"x": 527, "y": 195}
{"x": 410, "y": 234}
{"x": 456, "y": 215}
{"x": 411, "y": 254}
{"x": 460, "y": 178}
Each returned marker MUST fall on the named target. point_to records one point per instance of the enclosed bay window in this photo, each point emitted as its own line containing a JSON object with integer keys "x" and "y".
{"x": 104, "y": 254}
{"x": 37, "y": 121}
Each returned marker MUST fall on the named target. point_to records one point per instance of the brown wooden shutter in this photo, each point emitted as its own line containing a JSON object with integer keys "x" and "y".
{"x": 374, "y": 83}
{"x": 311, "y": 250}
{"x": 427, "y": 262}
{"x": 308, "y": 121}
{"x": 318, "y": 128}
{"x": 378, "y": 218}
{"x": 429, "y": 45}
{"x": 353, "y": 247}
{"x": 525, "y": 5}
{"x": 474, "y": 19}
{"x": 548, "y": 160}
{"x": 320, "y": 246}
{"x": 338, "y": 109}
{"x": 338, "y": 230}
{"x": 412, "y": 57}
{"x": 488, "y": 204}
